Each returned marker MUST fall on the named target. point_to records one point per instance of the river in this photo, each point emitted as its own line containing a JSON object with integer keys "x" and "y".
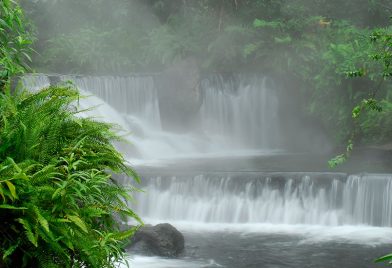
{"x": 232, "y": 186}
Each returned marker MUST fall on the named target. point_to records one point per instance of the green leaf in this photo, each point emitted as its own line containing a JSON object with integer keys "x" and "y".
{"x": 356, "y": 111}
{"x": 262, "y": 23}
{"x": 387, "y": 257}
{"x": 10, "y": 250}
{"x": 29, "y": 233}
{"x": 60, "y": 220}
{"x": 43, "y": 222}
{"x": 126, "y": 234}
{"x": 2, "y": 193}
{"x": 249, "y": 49}
{"x": 337, "y": 160}
{"x": 78, "y": 221}
{"x": 283, "y": 40}
{"x": 12, "y": 189}
{"x": 5, "y": 206}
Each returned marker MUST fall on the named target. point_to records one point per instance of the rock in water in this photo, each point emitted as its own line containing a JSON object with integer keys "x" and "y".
{"x": 162, "y": 240}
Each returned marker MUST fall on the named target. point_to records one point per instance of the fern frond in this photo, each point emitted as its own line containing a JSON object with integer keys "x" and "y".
{"x": 29, "y": 232}
{"x": 58, "y": 195}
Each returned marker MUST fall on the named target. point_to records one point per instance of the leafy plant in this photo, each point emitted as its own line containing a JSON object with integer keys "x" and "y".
{"x": 313, "y": 47}
{"x": 369, "y": 115}
{"x": 59, "y": 204}
{"x": 15, "y": 41}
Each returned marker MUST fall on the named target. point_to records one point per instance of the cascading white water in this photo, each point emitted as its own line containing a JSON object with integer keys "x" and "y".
{"x": 244, "y": 107}
{"x": 368, "y": 198}
{"x": 35, "y": 82}
{"x": 332, "y": 200}
{"x": 133, "y": 95}
{"x": 235, "y": 116}
{"x": 243, "y": 111}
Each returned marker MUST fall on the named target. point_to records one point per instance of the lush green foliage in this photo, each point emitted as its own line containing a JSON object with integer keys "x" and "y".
{"x": 15, "y": 41}
{"x": 371, "y": 116}
{"x": 89, "y": 36}
{"x": 312, "y": 46}
{"x": 59, "y": 204}
{"x": 142, "y": 35}
{"x": 315, "y": 47}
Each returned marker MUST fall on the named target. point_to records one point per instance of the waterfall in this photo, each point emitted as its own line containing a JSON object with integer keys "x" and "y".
{"x": 35, "y": 82}
{"x": 236, "y": 115}
{"x": 243, "y": 106}
{"x": 134, "y": 95}
{"x": 314, "y": 199}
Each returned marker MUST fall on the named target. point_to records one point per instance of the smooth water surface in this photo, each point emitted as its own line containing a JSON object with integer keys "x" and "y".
{"x": 278, "y": 246}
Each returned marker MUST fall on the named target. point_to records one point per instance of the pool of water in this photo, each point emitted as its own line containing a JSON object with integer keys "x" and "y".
{"x": 276, "y": 246}
{"x": 263, "y": 243}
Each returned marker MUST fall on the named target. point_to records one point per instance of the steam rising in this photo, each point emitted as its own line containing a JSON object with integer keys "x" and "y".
{"x": 120, "y": 37}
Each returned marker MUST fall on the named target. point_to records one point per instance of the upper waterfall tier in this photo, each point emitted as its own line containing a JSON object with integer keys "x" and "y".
{"x": 135, "y": 96}
{"x": 236, "y": 114}
{"x": 244, "y": 108}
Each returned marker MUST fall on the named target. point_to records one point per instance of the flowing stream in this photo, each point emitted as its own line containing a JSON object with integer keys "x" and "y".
{"x": 236, "y": 218}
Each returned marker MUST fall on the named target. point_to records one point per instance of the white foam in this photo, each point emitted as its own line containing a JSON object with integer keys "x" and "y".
{"x": 157, "y": 262}
{"x": 308, "y": 234}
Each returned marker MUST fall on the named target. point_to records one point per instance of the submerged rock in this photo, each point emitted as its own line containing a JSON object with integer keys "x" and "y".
{"x": 161, "y": 240}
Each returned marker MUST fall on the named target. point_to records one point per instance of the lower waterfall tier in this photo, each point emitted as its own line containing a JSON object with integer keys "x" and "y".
{"x": 314, "y": 198}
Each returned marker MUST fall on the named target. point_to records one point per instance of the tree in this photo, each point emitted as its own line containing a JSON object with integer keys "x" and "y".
{"x": 376, "y": 104}
{"x": 15, "y": 41}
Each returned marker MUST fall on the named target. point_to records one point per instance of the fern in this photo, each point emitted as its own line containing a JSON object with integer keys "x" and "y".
{"x": 58, "y": 199}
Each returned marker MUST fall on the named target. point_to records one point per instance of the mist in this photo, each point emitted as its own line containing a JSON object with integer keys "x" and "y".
{"x": 123, "y": 37}
{"x": 267, "y": 117}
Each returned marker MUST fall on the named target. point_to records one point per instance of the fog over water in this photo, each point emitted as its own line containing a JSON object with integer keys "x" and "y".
{"x": 230, "y": 116}
{"x": 303, "y": 208}
{"x": 231, "y": 119}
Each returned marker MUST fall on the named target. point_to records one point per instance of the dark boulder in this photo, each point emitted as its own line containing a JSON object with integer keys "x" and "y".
{"x": 161, "y": 240}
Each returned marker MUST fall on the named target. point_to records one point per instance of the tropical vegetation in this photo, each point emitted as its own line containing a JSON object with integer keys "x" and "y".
{"x": 15, "y": 41}
{"x": 59, "y": 203}
{"x": 312, "y": 46}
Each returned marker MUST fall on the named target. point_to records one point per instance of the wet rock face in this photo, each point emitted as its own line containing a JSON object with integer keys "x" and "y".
{"x": 179, "y": 95}
{"x": 161, "y": 240}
